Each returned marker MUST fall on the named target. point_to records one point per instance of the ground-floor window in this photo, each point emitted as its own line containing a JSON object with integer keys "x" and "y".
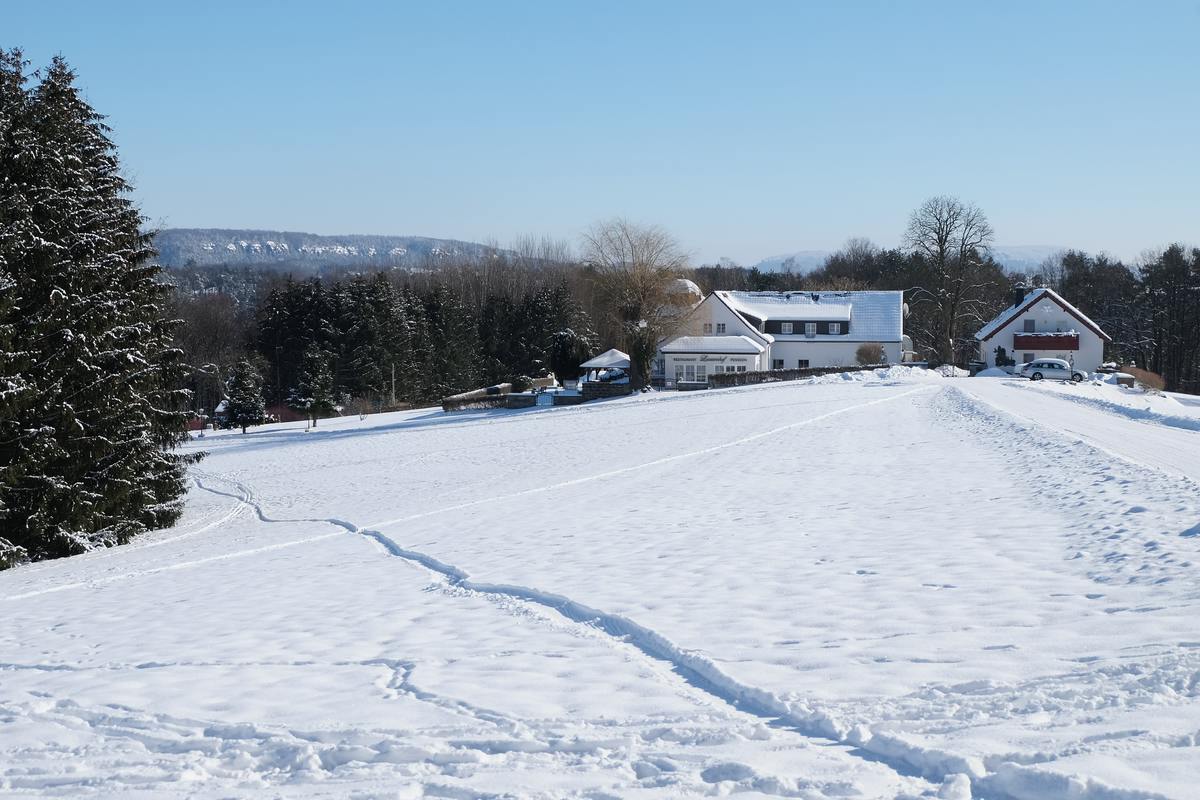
{"x": 1028, "y": 357}
{"x": 741, "y": 369}
{"x": 802, "y": 363}
{"x": 691, "y": 373}
{"x": 776, "y": 363}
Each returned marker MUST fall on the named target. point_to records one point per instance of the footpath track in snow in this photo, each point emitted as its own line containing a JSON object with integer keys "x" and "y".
{"x": 1170, "y": 448}
{"x": 793, "y": 590}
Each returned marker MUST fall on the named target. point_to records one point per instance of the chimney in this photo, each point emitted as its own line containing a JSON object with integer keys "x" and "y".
{"x": 1019, "y": 292}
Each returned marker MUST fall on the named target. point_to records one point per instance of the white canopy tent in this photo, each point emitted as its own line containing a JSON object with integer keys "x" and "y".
{"x": 611, "y": 359}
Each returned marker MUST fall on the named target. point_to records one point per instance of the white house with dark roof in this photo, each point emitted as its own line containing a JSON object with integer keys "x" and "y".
{"x": 1041, "y": 324}
{"x": 751, "y": 331}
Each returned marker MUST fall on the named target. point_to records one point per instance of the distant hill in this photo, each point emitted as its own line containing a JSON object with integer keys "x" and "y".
{"x": 180, "y": 247}
{"x": 1014, "y": 257}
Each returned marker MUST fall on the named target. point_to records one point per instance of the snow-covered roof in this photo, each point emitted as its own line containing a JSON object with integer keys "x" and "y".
{"x": 1029, "y": 301}
{"x": 873, "y": 316}
{"x": 683, "y": 286}
{"x": 610, "y": 359}
{"x": 713, "y": 344}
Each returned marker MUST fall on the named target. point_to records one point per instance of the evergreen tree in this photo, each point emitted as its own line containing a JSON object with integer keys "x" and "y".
{"x": 86, "y": 438}
{"x": 245, "y": 405}
{"x": 313, "y": 393}
{"x": 453, "y": 344}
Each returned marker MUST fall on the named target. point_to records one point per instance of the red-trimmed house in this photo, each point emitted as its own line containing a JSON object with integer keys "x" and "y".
{"x": 1041, "y": 324}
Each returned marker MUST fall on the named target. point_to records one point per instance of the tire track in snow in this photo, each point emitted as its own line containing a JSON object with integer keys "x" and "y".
{"x": 245, "y": 497}
{"x": 648, "y": 464}
{"x": 170, "y": 567}
{"x": 200, "y": 526}
{"x": 693, "y": 667}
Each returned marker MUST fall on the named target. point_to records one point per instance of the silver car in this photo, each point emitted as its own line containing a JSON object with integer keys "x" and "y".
{"x": 1052, "y": 368}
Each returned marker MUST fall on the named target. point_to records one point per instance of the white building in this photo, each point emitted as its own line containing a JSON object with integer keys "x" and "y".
{"x": 1041, "y": 324}
{"x": 751, "y": 331}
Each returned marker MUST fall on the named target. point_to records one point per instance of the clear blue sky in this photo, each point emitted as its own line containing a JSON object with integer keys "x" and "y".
{"x": 746, "y": 129}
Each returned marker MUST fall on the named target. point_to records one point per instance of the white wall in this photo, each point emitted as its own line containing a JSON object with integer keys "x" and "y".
{"x": 711, "y": 362}
{"x": 1048, "y": 317}
{"x": 714, "y": 312}
{"x": 825, "y": 353}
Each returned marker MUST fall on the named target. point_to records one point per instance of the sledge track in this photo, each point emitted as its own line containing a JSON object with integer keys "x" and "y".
{"x": 645, "y": 465}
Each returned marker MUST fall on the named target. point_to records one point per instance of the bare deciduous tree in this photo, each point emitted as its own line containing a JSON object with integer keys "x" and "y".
{"x": 635, "y": 265}
{"x": 951, "y": 238}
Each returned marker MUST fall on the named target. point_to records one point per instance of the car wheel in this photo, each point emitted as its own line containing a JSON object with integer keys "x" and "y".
{"x": 1076, "y": 377}
{"x": 1037, "y": 376}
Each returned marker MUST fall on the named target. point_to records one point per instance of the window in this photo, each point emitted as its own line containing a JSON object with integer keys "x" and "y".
{"x": 785, "y": 327}
{"x": 720, "y": 327}
{"x": 1028, "y": 357}
{"x": 689, "y": 372}
{"x": 835, "y": 327}
{"x": 678, "y": 372}
{"x": 741, "y": 369}
{"x": 777, "y": 363}
{"x": 810, "y": 329}
{"x": 707, "y": 328}
{"x": 802, "y": 363}
{"x": 1030, "y": 326}
{"x": 701, "y": 373}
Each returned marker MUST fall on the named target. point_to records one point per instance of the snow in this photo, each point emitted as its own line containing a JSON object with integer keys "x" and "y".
{"x": 880, "y": 584}
{"x": 874, "y": 316}
{"x": 712, "y": 344}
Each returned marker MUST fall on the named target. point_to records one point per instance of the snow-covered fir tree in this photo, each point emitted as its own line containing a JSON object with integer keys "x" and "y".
{"x": 91, "y": 412}
{"x": 244, "y": 405}
{"x": 313, "y": 393}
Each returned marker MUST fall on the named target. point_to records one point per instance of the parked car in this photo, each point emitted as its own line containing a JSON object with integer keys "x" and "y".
{"x": 1052, "y": 368}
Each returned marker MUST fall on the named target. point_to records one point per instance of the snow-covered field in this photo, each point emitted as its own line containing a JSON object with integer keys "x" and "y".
{"x": 907, "y": 586}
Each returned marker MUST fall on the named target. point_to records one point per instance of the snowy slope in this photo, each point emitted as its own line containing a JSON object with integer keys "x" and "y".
{"x": 901, "y": 587}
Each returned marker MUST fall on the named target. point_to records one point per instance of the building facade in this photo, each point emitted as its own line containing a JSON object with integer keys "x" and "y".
{"x": 752, "y": 331}
{"x": 1041, "y": 324}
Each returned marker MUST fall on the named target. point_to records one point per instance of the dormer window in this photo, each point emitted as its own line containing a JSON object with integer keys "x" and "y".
{"x": 810, "y": 329}
{"x": 785, "y": 327}
{"x": 835, "y": 328}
